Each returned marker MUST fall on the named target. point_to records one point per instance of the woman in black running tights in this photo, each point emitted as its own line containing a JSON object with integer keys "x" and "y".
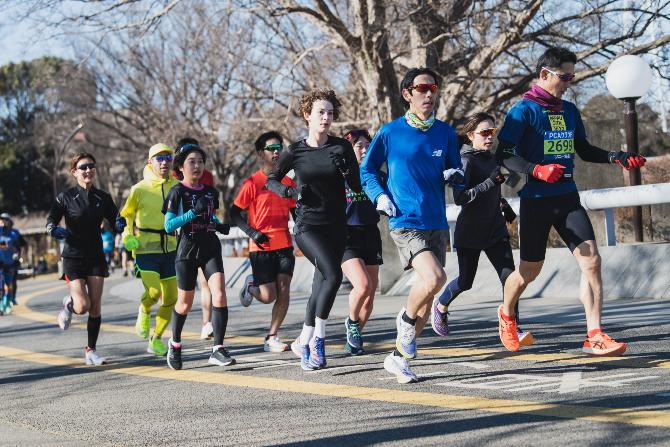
{"x": 84, "y": 265}
{"x": 481, "y": 222}
{"x": 322, "y": 163}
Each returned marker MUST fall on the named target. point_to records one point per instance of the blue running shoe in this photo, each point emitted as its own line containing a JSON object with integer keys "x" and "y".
{"x": 302, "y": 351}
{"x": 13, "y": 298}
{"x": 354, "y": 350}
{"x": 406, "y": 341}
{"x": 354, "y": 339}
{"x": 317, "y": 352}
{"x": 439, "y": 320}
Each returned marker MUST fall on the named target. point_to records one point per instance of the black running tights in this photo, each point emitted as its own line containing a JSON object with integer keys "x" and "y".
{"x": 324, "y": 246}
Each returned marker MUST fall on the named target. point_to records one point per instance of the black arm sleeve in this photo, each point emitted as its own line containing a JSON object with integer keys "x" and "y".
{"x": 111, "y": 213}
{"x": 353, "y": 178}
{"x": 236, "y": 216}
{"x": 294, "y": 214}
{"x": 591, "y": 154}
{"x": 282, "y": 166}
{"x": 55, "y": 214}
{"x": 505, "y": 157}
{"x": 467, "y": 195}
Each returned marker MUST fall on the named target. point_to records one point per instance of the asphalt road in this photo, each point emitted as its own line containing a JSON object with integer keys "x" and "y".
{"x": 471, "y": 390}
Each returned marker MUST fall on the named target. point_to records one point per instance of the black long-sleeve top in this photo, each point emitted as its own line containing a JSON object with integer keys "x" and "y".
{"x": 327, "y": 202}
{"x": 83, "y": 210}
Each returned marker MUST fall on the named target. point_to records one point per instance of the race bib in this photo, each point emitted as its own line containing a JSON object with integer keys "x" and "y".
{"x": 559, "y": 144}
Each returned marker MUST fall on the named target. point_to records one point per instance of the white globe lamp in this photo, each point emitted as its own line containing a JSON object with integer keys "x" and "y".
{"x": 629, "y": 77}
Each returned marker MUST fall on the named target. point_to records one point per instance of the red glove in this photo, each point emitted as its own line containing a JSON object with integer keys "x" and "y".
{"x": 629, "y": 160}
{"x": 548, "y": 173}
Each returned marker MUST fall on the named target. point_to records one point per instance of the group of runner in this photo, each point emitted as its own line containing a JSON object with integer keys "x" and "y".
{"x": 338, "y": 194}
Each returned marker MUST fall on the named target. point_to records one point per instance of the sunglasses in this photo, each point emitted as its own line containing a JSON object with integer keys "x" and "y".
{"x": 162, "y": 158}
{"x": 486, "y": 132}
{"x": 564, "y": 78}
{"x": 358, "y": 133}
{"x": 186, "y": 146}
{"x": 423, "y": 88}
{"x": 86, "y": 167}
{"x": 273, "y": 147}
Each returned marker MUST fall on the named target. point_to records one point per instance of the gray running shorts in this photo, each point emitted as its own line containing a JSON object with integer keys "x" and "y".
{"x": 411, "y": 242}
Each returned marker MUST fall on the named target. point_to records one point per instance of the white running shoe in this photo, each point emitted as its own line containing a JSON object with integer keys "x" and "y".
{"x": 400, "y": 367}
{"x": 207, "y": 331}
{"x": 272, "y": 344}
{"x": 245, "y": 297}
{"x": 92, "y": 358}
{"x": 65, "y": 316}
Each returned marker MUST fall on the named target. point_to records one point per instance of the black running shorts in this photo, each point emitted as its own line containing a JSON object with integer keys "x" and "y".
{"x": 211, "y": 261}
{"x": 364, "y": 242}
{"x": 564, "y": 212}
{"x": 266, "y": 265}
{"x": 81, "y": 268}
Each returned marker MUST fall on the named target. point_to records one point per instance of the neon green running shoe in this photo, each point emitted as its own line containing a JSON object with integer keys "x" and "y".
{"x": 142, "y": 325}
{"x": 157, "y": 347}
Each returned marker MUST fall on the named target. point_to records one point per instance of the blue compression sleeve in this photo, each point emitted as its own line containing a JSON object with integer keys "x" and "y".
{"x": 215, "y": 219}
{"x": 172, "y": 221}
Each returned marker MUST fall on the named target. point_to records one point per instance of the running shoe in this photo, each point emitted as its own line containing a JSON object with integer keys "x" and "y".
{"x": 406, "y": 341}
{"x": 302, "y": 351}
{"x": 354, "y": 339}
{"x": 220, "y": 357}
{"x": 174, "y": 356}
{"x": 525, "y": 338}
{"x": 8, "y": 307}
{"x": 601, "y": 344}
{"x": 400, "y": 367}
{"x": 207, "y": 331}
{"x": 354, "y": 350}
{"x": 13, "y": 299}
{"x": 317, "y": 352}
{"x": 439, "y": 320}
{"x": 157, "y": 347}
{"x": 125, "y": 273}
{"x": 142, "y": 325}
{"x": 65, "y": 316}
{"x": 272, "y": 344}
{"x": 507, "y": 331}
{"x": 245, "y": 297}
{"x": 92, "y": 358}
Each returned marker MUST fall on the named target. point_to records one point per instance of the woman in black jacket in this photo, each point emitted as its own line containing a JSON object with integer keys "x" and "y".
{"x": 481, "y": 223}
{"x": 322, "y": 163}
{"x": 84, "y": 265}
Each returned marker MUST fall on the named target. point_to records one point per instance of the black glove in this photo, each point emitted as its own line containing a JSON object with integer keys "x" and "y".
{"x": 301, "y": 192}
{"x": 222, "y": 228}
{"x": 338, "y": 161}
{"x": 497, "y": 176}
{"x": 259, "y": 238}
{"x": 629, "y": 160}
{"x": 200, "y": 206}
{"x": 508, "y": 212}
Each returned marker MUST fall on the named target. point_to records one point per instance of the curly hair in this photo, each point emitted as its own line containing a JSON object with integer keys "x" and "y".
{"x": 308, "y": 99}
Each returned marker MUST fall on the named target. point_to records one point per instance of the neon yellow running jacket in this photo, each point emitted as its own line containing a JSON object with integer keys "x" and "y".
{"x": 144, "y": 208}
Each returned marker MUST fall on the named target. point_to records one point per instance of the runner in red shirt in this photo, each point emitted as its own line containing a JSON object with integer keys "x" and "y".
{"x": 271, "y": 245}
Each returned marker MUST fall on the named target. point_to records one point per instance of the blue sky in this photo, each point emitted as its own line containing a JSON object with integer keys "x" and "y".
{"x": 17, "y": 43}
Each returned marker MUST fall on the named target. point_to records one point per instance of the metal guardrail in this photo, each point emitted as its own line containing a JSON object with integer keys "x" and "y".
{"x": 597, "y": 200}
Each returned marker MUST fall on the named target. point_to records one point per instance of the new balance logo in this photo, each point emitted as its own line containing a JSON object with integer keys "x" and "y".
{"x": 437, "y": 153}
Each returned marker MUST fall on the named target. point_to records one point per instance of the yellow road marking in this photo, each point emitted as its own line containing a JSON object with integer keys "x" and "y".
{"x": 600, "y": 414}
{"x": 489, "y": 354}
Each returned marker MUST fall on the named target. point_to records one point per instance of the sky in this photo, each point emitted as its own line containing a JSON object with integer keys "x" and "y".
{"x": 17, "y": 43}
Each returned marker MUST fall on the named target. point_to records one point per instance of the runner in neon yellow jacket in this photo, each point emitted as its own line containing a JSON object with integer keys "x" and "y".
{"x": 154, "y": 250}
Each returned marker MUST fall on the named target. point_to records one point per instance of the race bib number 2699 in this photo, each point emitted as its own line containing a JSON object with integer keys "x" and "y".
{"x": 559, "y": 144}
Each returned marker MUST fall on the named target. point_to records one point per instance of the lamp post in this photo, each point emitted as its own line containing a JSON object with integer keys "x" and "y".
{"x": 629, "y": 78}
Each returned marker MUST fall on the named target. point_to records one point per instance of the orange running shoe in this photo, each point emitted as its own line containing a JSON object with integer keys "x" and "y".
{"x": 525, "y": 338}
{"x": 602, "y": 344}
{"x": 508, "y": 334}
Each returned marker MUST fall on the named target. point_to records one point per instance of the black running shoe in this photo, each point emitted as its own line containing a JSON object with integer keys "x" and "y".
{"x": 221, "y": 357}
{"x": 174, "y": 356}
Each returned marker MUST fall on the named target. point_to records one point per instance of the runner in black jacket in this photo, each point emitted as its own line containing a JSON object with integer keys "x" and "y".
{"x": 84, "y": 264}
{"x": 481, "y": 223}
{"x": 321, "y": 164}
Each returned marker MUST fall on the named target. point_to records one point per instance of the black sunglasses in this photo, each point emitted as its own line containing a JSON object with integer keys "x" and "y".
{"x": 87, "y": 166}
{"x": 357, "y": 133}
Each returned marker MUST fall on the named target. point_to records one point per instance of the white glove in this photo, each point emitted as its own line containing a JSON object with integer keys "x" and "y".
{"x": 454, "y": 177}
{"x": 385, "y": 206}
